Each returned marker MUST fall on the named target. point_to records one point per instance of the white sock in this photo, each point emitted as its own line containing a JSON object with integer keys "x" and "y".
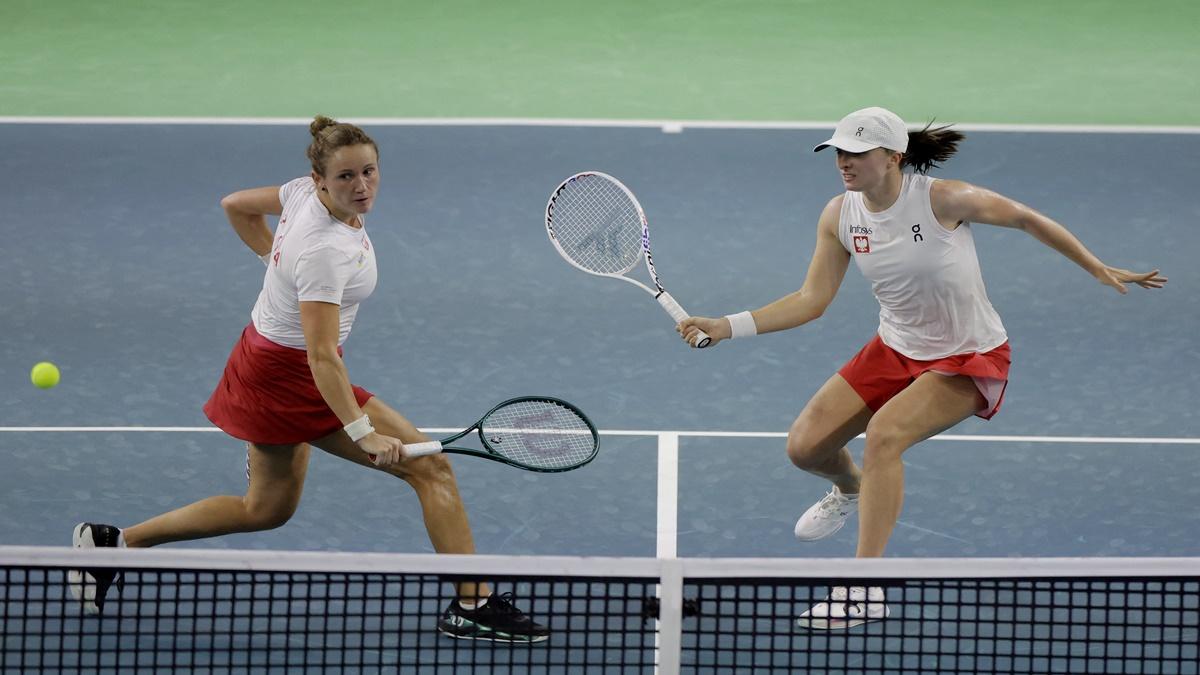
{"x": 472, "y": 605}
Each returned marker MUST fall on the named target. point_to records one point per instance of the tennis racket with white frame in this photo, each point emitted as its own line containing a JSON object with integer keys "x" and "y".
{"x": 598, "y": 226}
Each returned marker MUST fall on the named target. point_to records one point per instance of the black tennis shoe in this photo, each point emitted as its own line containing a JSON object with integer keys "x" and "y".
{"x": 90, "y": 586}
{"x": 497, "y": 620}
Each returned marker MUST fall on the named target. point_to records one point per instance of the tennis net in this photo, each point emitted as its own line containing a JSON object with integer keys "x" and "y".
{"x": 257, "y": 611}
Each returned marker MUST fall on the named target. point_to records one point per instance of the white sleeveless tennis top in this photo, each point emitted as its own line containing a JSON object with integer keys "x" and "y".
{"x": 932, "y": 302}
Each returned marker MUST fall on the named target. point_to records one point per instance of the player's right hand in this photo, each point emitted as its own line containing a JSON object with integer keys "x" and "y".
{"x": 383, "y": 450}
{"x": 717, "y": 329}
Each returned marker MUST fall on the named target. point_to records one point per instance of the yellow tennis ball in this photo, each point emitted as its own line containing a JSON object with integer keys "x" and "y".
{"x": 44, "y": 375}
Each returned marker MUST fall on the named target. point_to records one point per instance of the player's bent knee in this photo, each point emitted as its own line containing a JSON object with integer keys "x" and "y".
{"x": 803, "y": 453}
{"x": 273, "y": 519}
{"x": 800, "y": 455}
{"x": 270, "y": 516}
{"x": 428, "y": 469}
{"x": 883, "y": 444}
{"x": 808, "y": 457}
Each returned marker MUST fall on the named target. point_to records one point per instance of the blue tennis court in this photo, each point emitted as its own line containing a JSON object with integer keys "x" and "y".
{"x": 121, "y": 268}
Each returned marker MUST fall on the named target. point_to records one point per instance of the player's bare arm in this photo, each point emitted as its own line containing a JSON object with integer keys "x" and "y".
{"x": 825, "y": 273}
{"x": 320, "y": 323}
{"x": 247, "y": 211}
{"x": 955, "y": 202}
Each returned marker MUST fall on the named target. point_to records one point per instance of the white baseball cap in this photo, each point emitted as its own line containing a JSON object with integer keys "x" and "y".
{"x": 867, "y": 129}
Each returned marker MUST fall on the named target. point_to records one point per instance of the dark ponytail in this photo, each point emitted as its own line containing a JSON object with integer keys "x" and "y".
{"x": 928, "y": 148}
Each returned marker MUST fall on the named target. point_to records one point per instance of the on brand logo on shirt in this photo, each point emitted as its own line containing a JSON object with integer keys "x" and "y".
{"x": 862, "y": 244}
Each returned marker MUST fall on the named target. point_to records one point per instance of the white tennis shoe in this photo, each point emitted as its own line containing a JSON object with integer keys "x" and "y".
{"x": 826, "y": 516}
{"x": 846, "y": 607}
{"x": 90, "y": 586}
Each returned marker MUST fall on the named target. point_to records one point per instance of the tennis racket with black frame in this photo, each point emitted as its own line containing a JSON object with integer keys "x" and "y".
{"x": 535, "y": 433}
{"x": 598, "y": 226}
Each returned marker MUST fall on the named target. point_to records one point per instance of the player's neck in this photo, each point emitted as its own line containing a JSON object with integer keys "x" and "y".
{"x": 882, "y": 196}
{"x": 348, "y": 217}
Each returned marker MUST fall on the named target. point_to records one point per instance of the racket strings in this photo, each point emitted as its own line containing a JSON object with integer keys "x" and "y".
{"x": 597, "y": 226}
{"x": 539, "y": 433}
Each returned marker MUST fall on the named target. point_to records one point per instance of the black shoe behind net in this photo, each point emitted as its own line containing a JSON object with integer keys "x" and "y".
{"x": 497, "y": 620}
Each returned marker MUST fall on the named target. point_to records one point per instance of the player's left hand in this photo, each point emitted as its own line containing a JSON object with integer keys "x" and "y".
{"x": 1117, "y": 278}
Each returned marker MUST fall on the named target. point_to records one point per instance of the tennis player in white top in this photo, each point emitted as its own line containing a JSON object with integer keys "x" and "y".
{"x": 285, "y": 387}
{"x": 941, "y": 353}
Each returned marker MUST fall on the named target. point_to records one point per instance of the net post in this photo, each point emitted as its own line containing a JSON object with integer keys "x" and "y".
{"x": 668, "y": 494}
{"x": 670, "y": 624}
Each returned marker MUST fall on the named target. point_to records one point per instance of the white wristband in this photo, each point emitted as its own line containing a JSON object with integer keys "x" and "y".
{"x": 359, "y": 428}
{"x": 266, "y": 258}
{"x": 741, "y": 325}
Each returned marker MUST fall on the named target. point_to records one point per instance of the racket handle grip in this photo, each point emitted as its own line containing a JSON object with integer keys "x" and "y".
{"x": 421, "y": 449}
{"x": 668, "y": 303}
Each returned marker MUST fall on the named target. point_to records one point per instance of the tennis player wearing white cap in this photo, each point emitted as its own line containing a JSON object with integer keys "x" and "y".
{"x": 941, "y": 353}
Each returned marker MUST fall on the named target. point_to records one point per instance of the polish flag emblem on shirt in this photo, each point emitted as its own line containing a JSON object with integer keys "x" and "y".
{"x": 862, "y": 244}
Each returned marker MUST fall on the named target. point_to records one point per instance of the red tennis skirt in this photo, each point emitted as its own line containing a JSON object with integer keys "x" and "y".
{"x": 267, "y": 395}
{"x": 878, "y": 372}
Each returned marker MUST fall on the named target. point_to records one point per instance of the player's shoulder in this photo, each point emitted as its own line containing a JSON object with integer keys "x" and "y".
{"x": 304, "y": 183}
{"x": 297, "y": 188}
{"x": 835, "y": 203}
{"x": 949, "y": 187}
{"x": 949, "y": 193}
{"x": 831, "y": 215}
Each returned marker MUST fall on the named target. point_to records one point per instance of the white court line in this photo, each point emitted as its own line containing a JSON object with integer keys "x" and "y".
{"x": 968, "y": 438}
{"x": 667, "y": 519}
{"x": 669, "y": 126}
{"x": 1152, "y": 440}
